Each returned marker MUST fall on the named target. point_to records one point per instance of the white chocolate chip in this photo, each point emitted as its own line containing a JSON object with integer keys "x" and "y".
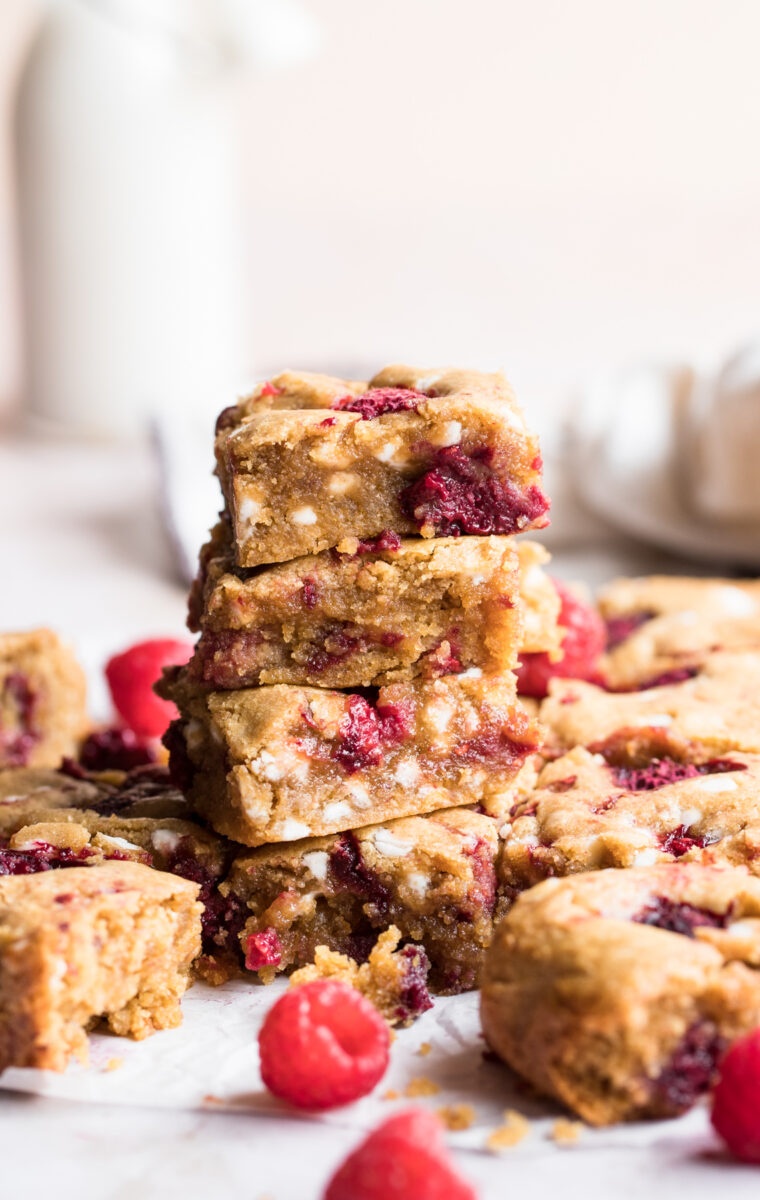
{"x": 194, "y": 732}
{"x": 449, "y": 435}
{"x": 291, "y": 830}
{"x": 737, "y": 603}
{"x": 646, "y": 858}
{"x": 417, "y": 883}
{"x": 337, "y": 811}
{"x": 316, "y": 861}
{"x": 527, "y": 839}
{"x": 165, "y": 841}
{"x": 122, "y": 843}
{"x": 386, "y": 452}
{"x": 341, "y": 482}
{"x": 58, "y": 973}
{"x": 359, "y": 794}
{"x": 265, "y": 766}
{"x": 249, "y": 511}
{"x": 437, "y": 715}
{"x": 330, "y": 455}
{"x": 477, "y": 580}
{"x": 471, "y": 673}
{"x": 689, "y": 817}
{"x": 687, "y": 618}
{"x": 716, "y": 783}
{"x": 304, "y": 515}
{"x": 407, "y": 773}
{"x": 392, "y": 847}
{"x": 426, "y": 382}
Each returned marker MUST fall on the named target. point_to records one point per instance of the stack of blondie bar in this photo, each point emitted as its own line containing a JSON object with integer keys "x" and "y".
{"x": 350, "y": 713}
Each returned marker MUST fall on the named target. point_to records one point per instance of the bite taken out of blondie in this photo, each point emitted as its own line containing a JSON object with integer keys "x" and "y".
{"x": 112, "y": 942}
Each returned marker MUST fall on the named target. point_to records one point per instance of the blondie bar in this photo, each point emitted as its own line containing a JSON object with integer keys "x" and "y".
{"x": 717, "y": 709}
{"x": 616, "y": 809}
{"x": 281, "y": 763}
{"x": 662, "y": 628}
{"x": 617, "y": 992}
{"x": 42, "y": 700}
{"x": 113, "y": 942}
{"x": 433, "y": 453}
{"x": 432, "y": 877}
{"x": 369, "y": 613}
{"x": 86, "y": 824}
{"x": 142, "y": 792}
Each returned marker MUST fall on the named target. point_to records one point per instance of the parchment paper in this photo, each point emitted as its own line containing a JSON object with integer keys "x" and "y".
{"x": 211, "y": 1061}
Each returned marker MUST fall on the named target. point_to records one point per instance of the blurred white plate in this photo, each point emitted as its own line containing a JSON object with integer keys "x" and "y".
{"x": 622, "y": 461}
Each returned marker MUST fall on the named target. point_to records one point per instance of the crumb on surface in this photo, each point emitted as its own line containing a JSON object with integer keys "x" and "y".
{"x": 113, "y": 1064}
{"x": 566, "y": 1132}
{"x": 515, "y": 1128}
{"x": 421, "y": 1086}
{"x": 456, "y": 1116}
{"x": 424, "y": 1049}
{"x": 391, "y": 1094}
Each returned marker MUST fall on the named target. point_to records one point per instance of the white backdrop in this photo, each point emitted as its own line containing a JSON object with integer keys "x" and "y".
{"x": 547, "y": 185}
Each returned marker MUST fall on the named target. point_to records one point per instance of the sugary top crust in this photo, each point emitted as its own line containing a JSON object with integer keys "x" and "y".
{"x": 719, "y": 708}
{"x": 585, "y": 813}
{"x": 22, "y": 895}
{"x": 718, "y": 598}
{"x": 620, "y": 896}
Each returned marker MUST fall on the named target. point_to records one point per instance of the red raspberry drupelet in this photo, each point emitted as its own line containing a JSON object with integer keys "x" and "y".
{"x": 582, "y": 644}
{"x": 131, "y": 676}
{"x": 405, "y": 1158}
{"x": 736, "y": 1099}
{"x": 323, "y": 1045}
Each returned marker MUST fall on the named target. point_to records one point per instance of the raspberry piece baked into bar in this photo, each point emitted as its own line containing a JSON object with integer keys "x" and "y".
{"x": 112, "y": 942}
{"x": 433, "y": 453}
{"x": 661, "y": 803}
{"x": 432, "y": 877}
{"x": 369, "y": 613}
{"x": 283, "y": 762}
{"x": 42, "y": 700}
{"x": 717, "y": 709}
{"x": 661, "y": 628}
{"x": 616, "y": 993}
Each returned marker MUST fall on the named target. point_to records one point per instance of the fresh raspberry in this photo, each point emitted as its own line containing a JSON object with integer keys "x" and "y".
{"x": 323, "y": 1045}
{"x": 405, "y": 1158}
{"x": 131, "y": 676}
{"x": 736, "y": 1099}
{"x": 582, "y": 643}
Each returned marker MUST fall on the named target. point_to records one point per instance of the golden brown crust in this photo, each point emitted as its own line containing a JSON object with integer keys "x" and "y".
{"x": 112, "y": 942}
{"x": 717, "y": 710}
{"x": 341, "y": 475}
{"x": 597, "y": 1007}
{"x": 584, "y": 816}
{"x": 432, "y": 876}
{"x": 283, "y": 762}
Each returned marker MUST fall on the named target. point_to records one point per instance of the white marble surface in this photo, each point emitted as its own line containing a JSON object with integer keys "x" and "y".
{"x": 84, "y": 550}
